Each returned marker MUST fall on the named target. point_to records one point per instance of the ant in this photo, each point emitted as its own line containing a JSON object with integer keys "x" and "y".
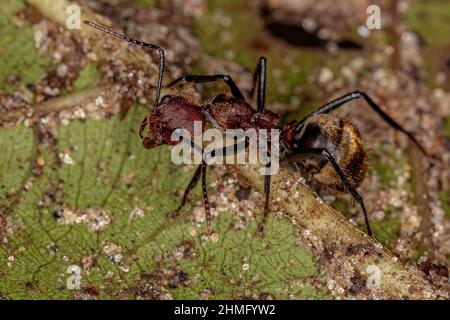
{"x": 328, "y": 147}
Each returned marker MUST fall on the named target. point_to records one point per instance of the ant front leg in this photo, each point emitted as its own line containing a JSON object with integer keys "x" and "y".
{"x": 211, "y": 78}
{"x": 194, "y": 180}
{"x": 200, "y": 171}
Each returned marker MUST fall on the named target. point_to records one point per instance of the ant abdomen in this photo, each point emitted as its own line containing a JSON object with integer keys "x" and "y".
{"x": 342, "y": 141}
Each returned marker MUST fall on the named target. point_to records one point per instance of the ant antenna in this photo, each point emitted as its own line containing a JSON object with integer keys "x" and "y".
{"x": 138, "y": 43}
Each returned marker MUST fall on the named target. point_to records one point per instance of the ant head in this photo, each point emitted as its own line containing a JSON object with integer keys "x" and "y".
{"x": 149, "y": 143}
{"x": 152, "y": 139}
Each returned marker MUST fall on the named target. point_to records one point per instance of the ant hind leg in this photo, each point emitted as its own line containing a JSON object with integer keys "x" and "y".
{"x": 348, "y": 186}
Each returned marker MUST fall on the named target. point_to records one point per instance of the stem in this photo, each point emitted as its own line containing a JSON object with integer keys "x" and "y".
{"x": 337, "y": 235}
{"x": 55, "y": 105}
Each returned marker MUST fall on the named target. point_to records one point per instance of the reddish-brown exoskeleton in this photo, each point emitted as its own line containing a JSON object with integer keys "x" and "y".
{"x": 330, "y": 147}
{"x": 222, "y": 112}
{"x": 225, "y": 111}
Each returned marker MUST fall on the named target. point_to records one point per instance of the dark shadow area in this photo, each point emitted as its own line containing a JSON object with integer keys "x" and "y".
{"x": 296, "y": 35}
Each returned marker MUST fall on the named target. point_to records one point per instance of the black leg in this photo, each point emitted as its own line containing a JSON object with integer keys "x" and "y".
{"x": 162, "y": 57}
{"x": 194, "y": 180}
{"x": 200, "y": 171}
{"x": 267, "y": 180}
{"x": 355, "y": 95}
{"x": 262, "y": 224}
{"x": 347, "y": 184}
{"x": 259, "y": 78}
{"x": 211, "y": 78}
{"x": 205, "y": 200}
{"x": 237, "y": 147}
{"x": 355, "y": 194}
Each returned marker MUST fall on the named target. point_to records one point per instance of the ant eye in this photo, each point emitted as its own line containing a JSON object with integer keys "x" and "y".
{"x": 166, "y": 99}
{"x": 219, "y": 98}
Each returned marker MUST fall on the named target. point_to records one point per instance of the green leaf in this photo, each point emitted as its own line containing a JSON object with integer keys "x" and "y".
{"x": 18, "y": 55}
{"x": 431, "y": 20}
{"x": 88, "y": 76}
{"x": 106, "y": 174}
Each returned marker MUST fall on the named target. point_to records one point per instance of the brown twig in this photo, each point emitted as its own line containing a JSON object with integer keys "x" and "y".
{"x": 54, "y": 105}
{"x": 343, "y": 240}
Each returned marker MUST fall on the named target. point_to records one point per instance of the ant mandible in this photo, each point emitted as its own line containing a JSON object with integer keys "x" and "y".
{"x": 334, "y": 145}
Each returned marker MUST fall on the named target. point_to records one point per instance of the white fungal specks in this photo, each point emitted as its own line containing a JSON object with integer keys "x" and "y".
{"x": 113, "y": 252}
{"x": 137, "y": 212}
{"x": 95, "y": 219}
{"x": 66, "y": 158}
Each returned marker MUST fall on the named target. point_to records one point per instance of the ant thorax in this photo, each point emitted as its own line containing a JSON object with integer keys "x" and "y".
{"x": 230, "y": 112}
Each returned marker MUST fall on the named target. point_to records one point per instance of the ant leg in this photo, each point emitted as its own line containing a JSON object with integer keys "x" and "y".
{"x": 205, "y": 199}
{"x": 267, "y": 180}
{"x": 355, "y": 194}
{"x": 211, "y": 78}
{"x": 237, "y": 147}
{"x": 262, "y": 224}
{"x": 194, "y": 180}
{"x": 190, "y": 187}
{"x": 355, "y": 95}
{"x": 212, "y": 154}
{"x": 260, "y": 76}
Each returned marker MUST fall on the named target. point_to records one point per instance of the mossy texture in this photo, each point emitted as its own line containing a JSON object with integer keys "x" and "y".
{"x": 20, "y": 63}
